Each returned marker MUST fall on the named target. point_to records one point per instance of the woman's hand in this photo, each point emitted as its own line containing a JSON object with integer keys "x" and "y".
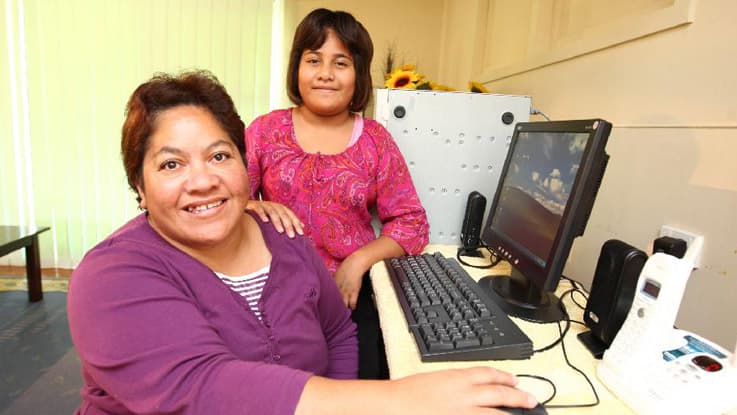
{"x": 283, "y": 218}
{"x": 460, "y": 391}
{"x": 470, "y": 391}
{"x": 348, "y": 277}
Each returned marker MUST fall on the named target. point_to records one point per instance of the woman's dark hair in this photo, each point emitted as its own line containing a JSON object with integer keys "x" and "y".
{"x": 311, "y": 34}
{"x": 162, "y": 92}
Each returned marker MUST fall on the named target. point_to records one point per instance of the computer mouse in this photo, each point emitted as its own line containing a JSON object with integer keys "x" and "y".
{"x": 538, "y": 410}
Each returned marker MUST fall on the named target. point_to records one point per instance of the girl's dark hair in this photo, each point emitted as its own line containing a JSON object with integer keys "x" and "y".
{"x": 162, "y": 92}
{"x": 311, "y": 34}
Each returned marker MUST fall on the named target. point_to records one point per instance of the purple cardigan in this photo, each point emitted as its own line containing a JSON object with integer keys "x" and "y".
{"x": 157, "y": 332}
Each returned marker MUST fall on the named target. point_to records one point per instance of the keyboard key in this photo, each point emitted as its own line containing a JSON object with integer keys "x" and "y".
{"x": 468, "y": 342}
{"x": 440, "y": 346}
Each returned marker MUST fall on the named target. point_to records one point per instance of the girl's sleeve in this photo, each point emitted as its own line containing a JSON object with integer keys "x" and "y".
{"x": 398, "y": 205}
{"x": 335, "y": 319}
{"x": 148, "y": 346}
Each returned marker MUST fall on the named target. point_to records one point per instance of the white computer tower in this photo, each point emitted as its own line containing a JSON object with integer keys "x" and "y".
{"x": 454, "y": 143}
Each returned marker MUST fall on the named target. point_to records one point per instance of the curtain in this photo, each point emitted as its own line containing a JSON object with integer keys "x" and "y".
{"x": 67, "y": 69}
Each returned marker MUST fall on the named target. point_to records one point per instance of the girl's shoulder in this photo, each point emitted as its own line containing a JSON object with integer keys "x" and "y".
{"x": 376, "y": 134}
{"x": 280, "y": 118}
{"x": 373, "y": 127}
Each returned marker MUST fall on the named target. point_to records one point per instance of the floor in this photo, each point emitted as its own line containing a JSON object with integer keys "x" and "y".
{"x": 39, "y": 368}
{"x": 45, "y": 272}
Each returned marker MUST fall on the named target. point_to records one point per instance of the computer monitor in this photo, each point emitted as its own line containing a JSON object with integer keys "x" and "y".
{"x": 542, "y": 203}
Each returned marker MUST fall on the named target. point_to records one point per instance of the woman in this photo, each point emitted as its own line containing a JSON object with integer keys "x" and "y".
{"x": 320, "y": 168}
{"x": 156, "y": 310}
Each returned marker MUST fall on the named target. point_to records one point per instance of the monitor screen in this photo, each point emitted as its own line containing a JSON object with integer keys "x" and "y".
{"x": 543, "y": 200}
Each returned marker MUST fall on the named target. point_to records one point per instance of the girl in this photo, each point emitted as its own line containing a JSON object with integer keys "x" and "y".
{"x": 320, "y": 168}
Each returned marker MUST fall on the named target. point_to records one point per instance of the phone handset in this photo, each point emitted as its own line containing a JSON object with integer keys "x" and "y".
{"x": 652, "y": 315}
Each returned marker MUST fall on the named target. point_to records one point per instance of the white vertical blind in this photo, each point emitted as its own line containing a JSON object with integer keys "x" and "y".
{"x": 67, "y": 69}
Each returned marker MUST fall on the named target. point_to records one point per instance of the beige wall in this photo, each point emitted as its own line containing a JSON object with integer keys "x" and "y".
{"x": 671, "y": 99}
{"x": 412, "y": 27}
{"x": 670, "y": 96}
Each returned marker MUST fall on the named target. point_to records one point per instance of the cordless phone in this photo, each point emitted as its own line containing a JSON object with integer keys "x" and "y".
{"x": 657, "y": 369}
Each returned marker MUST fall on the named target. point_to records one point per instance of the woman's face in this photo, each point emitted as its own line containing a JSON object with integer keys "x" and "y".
{"x": 195, "y": 182}
{"x": 327, "y": 77}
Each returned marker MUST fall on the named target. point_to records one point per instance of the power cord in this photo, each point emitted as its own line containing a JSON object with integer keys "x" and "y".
{"x": 568, "y": 362}
{"x": 544, "y": 379}
{"x": 573, "y": 299}
{"x": 562, "y": 332}
{"x": 494, "y": 262}
{"x": 578, "y": 289}
{"x": 559, "y": 340}
{"x": 535, "y": 111}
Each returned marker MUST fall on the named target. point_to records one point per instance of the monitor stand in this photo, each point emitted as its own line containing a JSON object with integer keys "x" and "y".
{"x": 471, "y": 252}
{"x": 518, "y": 298}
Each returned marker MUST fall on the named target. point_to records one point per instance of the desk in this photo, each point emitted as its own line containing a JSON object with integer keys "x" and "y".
{"x": 404, "y": 359}
{"x": 13, "y": 238}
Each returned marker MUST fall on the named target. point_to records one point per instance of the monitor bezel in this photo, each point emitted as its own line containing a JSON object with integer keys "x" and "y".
{"x": 577, "y": 210}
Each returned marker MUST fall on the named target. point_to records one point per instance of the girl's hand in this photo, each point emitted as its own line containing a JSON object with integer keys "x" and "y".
{"x": 281, "y": 216}
{"x": 348, "y": 277}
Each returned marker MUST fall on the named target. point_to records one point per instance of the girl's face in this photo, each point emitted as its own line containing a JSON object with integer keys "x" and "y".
{"x": 327, "y": 78}
{"x": 195, "y": 182}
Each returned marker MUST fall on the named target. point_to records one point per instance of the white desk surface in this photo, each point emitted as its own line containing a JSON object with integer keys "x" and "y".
{"x": 404, "y": 359}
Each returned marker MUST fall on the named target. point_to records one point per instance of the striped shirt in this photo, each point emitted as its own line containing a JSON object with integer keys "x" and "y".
{"x": 249, "y": 286}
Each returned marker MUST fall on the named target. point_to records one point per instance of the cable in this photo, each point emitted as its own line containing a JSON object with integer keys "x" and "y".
{"x": 568, "y": 362}
{"x": 535, "y": 111}
{"x": 573, "y": 282}
{"x": 573, "y": 299}
{"x": 578, "y": 288}
{"x": 568, "y": 325}
{"x": 562, "y": 333}
{"x": 494, "y": 262}
{"x": 561, "y": 336}
{"x": 544, "y": 379}
{"x": 577, "y": 285}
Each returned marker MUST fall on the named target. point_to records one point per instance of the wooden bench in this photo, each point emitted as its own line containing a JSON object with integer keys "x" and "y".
{"x": 13, "y": 238}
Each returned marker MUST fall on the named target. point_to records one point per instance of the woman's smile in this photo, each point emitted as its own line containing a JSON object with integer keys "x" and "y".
{"x": 204, "y": 207}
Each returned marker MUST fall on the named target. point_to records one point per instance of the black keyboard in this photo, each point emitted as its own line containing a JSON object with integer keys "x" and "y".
{"x": 449, "y": 315}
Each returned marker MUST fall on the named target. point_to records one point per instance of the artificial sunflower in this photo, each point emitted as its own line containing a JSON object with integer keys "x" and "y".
{"x": 477, "y": 87}
{"x": 440, "y": 87}
{"x": 403, "y": 78}
{"x": 424, "y": 85}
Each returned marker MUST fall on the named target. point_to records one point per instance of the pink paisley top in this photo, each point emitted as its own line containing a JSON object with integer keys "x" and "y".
{"x": 334, "y": 194}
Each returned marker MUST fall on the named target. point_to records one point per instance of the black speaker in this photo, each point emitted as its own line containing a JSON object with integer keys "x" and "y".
{"x": 612, "y": 292}
{"x": 471, "y": 229}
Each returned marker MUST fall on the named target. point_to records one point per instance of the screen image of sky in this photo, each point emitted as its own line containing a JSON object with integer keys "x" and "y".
{"x": 536, "y": 188}
{"x": 544, "y": 166}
